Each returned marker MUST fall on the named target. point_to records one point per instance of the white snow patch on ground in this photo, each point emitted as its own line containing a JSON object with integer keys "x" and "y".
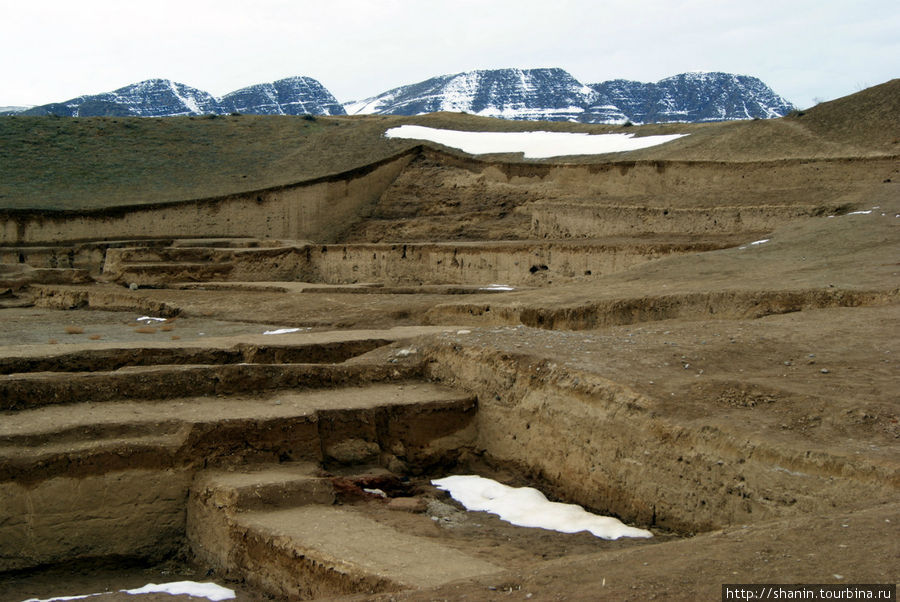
{"x": 149, "y": 319}
{"x": 860, "y": 212}
{"x": 61, "y": 598}
{"x": 284, "y": 330}
{"x": 520, "y": 112}
{"x": 535, "y": 145}
{"x": 527, "y": 507}
{"x": 210, "y": 591}
{"x": 760, "y": 242}
{"x": 497, "y": 287}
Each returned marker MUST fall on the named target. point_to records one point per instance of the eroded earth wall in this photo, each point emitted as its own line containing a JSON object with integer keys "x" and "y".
{"x": 316, "y": 210}
{"x": 440, "y": 196}
{"x": 606, "y": 446}
{"x": 427, "y": 195}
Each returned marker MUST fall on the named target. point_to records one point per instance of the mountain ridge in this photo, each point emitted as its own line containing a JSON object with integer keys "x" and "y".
{"x": 298, "y": 95}
{"x": 544, "y": 94}
{"x": 555, "y": 95}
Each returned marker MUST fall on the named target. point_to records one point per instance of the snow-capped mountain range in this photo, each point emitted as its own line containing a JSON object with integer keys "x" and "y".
{"x": 506, "y": 93}
{"x": 696, "y": 96}
{"x": 165, "y": 98}
{"x": 554, "y": 95}
{"x": 532, "y": 94}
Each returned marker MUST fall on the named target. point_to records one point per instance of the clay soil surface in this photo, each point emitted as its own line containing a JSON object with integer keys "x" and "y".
{"x": 826, "y": 377}
{"x": 788, "y": 348}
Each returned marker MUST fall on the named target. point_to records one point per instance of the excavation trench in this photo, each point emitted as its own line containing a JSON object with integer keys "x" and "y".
{"x": 151, "y": 460}
{"x": 305, "y": 480}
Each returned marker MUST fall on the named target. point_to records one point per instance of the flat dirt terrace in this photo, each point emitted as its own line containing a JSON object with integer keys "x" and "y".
{"x": 704, "y": 349}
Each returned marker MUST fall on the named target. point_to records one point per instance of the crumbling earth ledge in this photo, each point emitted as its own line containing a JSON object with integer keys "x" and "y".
{"x": 610, "y": 443}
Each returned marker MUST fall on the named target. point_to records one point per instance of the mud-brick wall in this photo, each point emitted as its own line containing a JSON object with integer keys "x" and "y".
{"x": 514, "y": 264}
{"x": 558, "y": 220}
{"x": 314, "y": 210}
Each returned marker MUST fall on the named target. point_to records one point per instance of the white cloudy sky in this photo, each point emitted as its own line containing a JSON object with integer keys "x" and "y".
{"x": 807, "y": 50}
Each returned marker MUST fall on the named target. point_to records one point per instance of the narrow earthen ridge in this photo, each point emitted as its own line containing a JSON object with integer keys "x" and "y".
{"x": 114, "y": 358}
{"x": 462, "y": 263}
{"x": 21, "y": 391}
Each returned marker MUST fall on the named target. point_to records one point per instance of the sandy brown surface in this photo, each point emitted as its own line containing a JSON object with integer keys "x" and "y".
{"x": 740, "y": 402}
{"x": 819, "y": 382}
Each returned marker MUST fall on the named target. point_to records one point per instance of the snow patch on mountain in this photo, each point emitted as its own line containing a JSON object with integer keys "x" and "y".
{"x": 12, "y": 110}
{"x": 459, "y": 92}
{"x": 188, "y": 101}
{"x": 289, "y": 96}
{"x": 693, "y": 97}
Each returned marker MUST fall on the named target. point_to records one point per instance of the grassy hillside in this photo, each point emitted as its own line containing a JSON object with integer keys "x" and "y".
{"x": 870, "y": 118}
{"x": 79, "y": 163}
{"x": 76, "y": 163}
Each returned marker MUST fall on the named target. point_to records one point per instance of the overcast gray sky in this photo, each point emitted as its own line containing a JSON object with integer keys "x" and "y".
{"x": 805, "y": 50}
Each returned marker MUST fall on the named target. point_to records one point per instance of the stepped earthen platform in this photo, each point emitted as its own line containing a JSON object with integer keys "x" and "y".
{"x": 252, "y": 478}
{"x": 280, "y": 528}
{"x": 136, "y": 448}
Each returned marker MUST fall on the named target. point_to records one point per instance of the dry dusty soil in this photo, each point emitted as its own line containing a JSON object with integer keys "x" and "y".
{"x": 733, "y": 389}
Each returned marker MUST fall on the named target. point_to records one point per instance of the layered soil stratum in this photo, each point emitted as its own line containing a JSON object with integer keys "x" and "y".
{"x": 238, "y": 349}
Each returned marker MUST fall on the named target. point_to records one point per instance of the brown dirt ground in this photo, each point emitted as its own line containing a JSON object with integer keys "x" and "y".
{"x": 761, "y": 376}
{"x": 818, "y": 372}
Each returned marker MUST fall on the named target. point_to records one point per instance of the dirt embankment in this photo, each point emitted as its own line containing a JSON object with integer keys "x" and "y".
{"x": 817, "y": 262}
{"x": 442, "y": 196}
{"x": 686, "y": 439}
{"x": 316, "y": 209}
